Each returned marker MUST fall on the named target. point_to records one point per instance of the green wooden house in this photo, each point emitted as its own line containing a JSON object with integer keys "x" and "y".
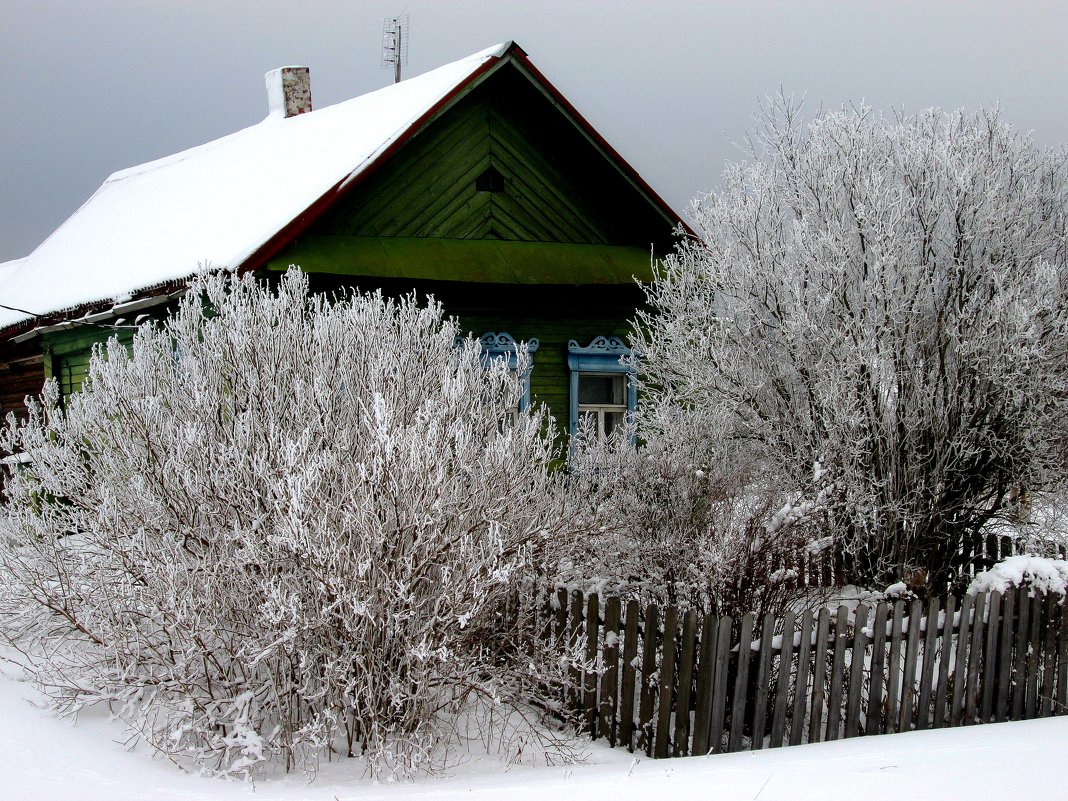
{"x": 477, "y": 183}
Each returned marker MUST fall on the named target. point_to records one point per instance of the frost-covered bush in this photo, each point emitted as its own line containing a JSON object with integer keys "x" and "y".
{"x": 285, "y": 527}
{"x": 680, "y": 519}
{"x": 886, "y": 297}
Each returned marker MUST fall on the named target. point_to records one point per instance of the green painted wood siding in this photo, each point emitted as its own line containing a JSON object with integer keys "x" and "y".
{"x": 428, "y": 189}
{"x": 471, "y": 260}
{"x": 67, "y": 354}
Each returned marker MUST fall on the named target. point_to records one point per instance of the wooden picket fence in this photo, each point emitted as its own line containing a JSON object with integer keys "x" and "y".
{"x": 672, "y": 683}
{"x": 829, "y": 567}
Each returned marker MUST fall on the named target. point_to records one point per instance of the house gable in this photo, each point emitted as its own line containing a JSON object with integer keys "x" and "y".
{"x": 508, "y": 173}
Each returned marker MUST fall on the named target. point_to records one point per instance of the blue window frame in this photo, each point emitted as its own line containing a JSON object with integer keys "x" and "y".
{"x": 602, "y": 386}
{"x": 503, "y": 346}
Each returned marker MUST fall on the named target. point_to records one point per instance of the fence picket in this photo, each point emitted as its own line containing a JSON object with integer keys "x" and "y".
{"x": 819, "y": 674}
{"x": 801, "y": 691}
{"x": 1008, "y": 605}
{"x": 856, "y": 672}
{"x": 960, "y": 668}
{"x": 650, "y": 647}
{"x": 923, "y": 705}
{"x": 782, "y": 686}
{"x": 1023, "y": 624}
{"x": 703, "y": 703}
{"x": 626, "y": 689}
{"x": 685, "y": 673}
{"x": 834, "y": 702}
{"x": 577, "y": 602}
{"x": 874, "y": 724}
{"x": 1062, "y": 661}
{"x": 945, "y": 657}
{"x": 990, "y": 655}
{"x": 741, "y": 686}
{"x": 908, "y": 684}
{"x": 1034, "y": 646}
{"x": 760, "y": 703}
{"x": 610, "y": 678}
{"x": 593, "y": 630}
{"x": 893, "y": 682}
{"x": 719, "y": 686}
{"x": 1049, "y": 652}
{"x": 975, "y": 658}
{"x": 667, "y": 682}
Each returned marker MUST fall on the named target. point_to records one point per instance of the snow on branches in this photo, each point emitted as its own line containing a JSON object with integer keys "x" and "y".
{"x": 285, "y": 526}
{"x": 886, "y": 297}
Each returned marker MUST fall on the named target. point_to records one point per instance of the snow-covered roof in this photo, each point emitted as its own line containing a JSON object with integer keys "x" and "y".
{"x": 217, "y": 204}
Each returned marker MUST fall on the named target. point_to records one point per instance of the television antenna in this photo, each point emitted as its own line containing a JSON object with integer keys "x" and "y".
{"x": 395, "y": 33}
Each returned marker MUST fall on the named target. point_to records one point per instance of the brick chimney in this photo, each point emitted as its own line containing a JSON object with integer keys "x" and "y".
{"x": 289, "y": 91}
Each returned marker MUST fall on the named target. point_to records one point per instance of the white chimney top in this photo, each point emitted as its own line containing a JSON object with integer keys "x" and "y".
{"x": 289, "y": 91}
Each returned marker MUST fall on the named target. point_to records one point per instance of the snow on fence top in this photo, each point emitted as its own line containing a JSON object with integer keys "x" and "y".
{"x": 215, "y": 205}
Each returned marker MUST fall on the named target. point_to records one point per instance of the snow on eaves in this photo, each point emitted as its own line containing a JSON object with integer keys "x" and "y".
{"x": 216, "y": 204}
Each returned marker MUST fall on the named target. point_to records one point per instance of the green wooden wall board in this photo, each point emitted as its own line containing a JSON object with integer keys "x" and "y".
{"x": 67, "y": 353}
{"x": 467, "y": 260}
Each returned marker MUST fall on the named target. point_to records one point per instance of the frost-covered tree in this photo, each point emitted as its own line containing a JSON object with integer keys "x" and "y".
{"x": 880, "y": 303}
{"x": 288, "y": 526}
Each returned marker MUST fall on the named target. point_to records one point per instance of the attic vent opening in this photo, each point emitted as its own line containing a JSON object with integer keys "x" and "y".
{"x": 490, "y": 181}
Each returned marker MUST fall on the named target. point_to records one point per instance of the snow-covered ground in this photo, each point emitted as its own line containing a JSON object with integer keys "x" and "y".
{"x": 43, "y": 758}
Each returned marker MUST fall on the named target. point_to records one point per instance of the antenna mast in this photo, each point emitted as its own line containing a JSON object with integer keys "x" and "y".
{"x": 395, "y": 33}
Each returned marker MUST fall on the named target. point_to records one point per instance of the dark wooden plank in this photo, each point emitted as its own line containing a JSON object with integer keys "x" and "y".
{"x": 741, "y": 683}
{"x": 1034, "y": 652}
{"x": 1019, "y": 675}
{"x": 856, "y": 671}
{"x": 667, "y": 683}
{"x": 893, "y": 682}
{"x": 1062, "y": 662}
{"x": 1004, "y": 662}
{"x": 912, "y": 647}
{"x": 1049, "y": 655}
{"x": 927, "y": 672}
{"x": 606, "y": 708}
{"x": 705, "y": 673}
{"x": 782, "y": 685}
{"x": 834, "y": 699}
{"x": 763, "y": 678}
{"x": 819, "y": 676}
{"x": 975, "y": 659}
{"x": 960, "y": 663}
{"x": 945, "y": 659}
{"x": 626, "y": 689}
{"x": 990, "y": 656}
{"x": 804, "y": 669}
{"x": 873, "y": 715}
{"x": 576, "y": 621}
{"x": 719, "y": 686}
{"x": 593, "y": 631}
{"x": 685, "y": 673}
{"x": 650, "y": 648}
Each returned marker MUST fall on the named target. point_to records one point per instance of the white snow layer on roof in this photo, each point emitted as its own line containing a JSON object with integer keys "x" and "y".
{"x": 216, "y": 204}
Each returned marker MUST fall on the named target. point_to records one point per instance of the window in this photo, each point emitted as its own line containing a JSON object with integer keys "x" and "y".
{"x": 602, "y": 387}
{"x": 503, "y": 346}
{"x": 490, "y": 181}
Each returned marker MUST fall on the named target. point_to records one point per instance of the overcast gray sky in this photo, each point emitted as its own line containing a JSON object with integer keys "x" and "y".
{"x": 91, "y": 86}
